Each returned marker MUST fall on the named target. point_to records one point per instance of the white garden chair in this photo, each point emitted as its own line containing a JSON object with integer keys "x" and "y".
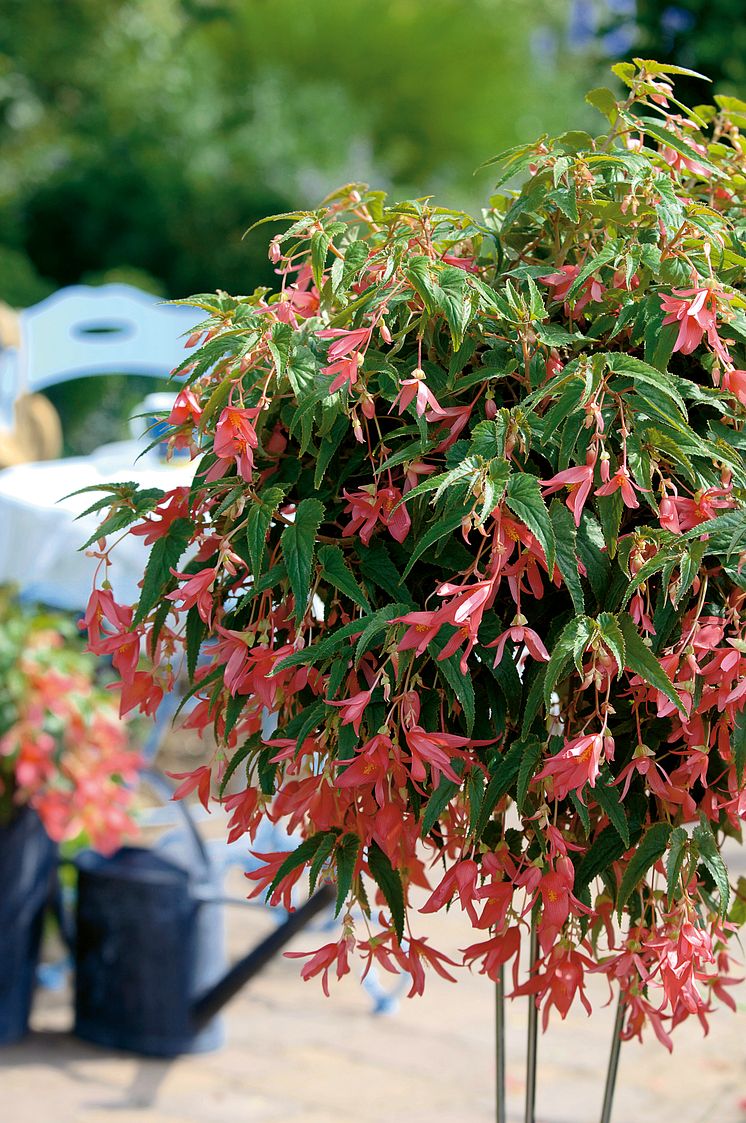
{"x": 81, "y": 331}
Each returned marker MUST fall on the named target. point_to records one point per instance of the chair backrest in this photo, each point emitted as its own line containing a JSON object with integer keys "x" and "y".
{"x": 81, "y": 331}
{"x": 111, "y": 329}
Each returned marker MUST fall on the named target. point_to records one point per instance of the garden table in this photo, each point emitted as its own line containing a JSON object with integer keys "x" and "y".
{"x": 40, "y": 538}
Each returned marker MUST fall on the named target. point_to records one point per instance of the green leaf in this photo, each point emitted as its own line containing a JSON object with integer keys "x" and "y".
{"x": 378, "y": 623}
{"x": 612, "y": 636}
{"x": 503, "y": 777}
{"x": 244, "y": 751}
{"x": 299, "y": 857}
{"x": 602, "y": 99}
{"x": 440, "y": 799}
{"x": 610, "y": 511}
{"x": 389, "y": 882}
{"x": 258, "y": 522}
{"x": 298, "y": 543}
{"x": 443, "y": 527}
{"x": 677, "y": 852}
{"x": 460, "y": 683}
{"x": 377, "y": 567}
{"x": 280, "y": 342}
{"x": 523, "y": 497}
{"x": 196, "y": 630}
{"x": 640, "y": 660}
{"x": 565, "y": 536}
{"x": 322, "y": 855}
{"x": 607, "y": 798}
{"x": 712, "y": 859}
{"x": 164, "y": 556}
{"x": 652, "y": 847}
{"x": 454, "y": 298}
{"x": 561, "y": 655}
{"x": 645, "y": 375}
{"x": 607, "y": 848}
{"x": 610, "y": 251}
{"x": 348, "y": 847}
{"x": 670, "y": 140}
{"x": 336, "y": 571}
{"x": 738, "y": 745}
{"x": 529, "y": 760}
{"x": 320, "y": 243}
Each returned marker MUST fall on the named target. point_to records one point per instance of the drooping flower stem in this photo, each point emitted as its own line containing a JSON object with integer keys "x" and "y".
{"x": 611, "y": 1072}
{"x": 500, "y": 1047}
{"x": 533, "y": 1022}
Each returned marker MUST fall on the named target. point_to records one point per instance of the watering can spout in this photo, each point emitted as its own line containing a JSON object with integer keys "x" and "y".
{"x": 208, "y": 1004}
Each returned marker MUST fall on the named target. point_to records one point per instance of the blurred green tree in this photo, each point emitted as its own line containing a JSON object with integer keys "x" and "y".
{"x": 151, "y": 133}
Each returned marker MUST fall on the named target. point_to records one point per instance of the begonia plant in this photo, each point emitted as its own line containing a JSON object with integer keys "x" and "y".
{"x": 467, "y": 525}
{"x": 63, "y": 749}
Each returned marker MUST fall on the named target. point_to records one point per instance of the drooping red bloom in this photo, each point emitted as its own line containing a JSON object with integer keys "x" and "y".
{"x": 236, "y": 439}
{"x": 579, "y": 481}
{"x": 367, "y": 508}
{"x": 578, "y": 763}
{"x": 196, "y": 590}
{"x": 322, "y": 960}
{"x": 198, "y": 780}
{"x": 695, "y": 311}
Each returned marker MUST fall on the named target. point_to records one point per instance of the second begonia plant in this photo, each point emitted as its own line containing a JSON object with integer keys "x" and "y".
{"x": 468, "y": 526}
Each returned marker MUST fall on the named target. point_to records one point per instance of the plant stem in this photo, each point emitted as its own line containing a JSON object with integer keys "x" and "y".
{"x": 533, "y": 1017}
{"x": 500, "y": 1047}
{"x": 611, "y": 1072}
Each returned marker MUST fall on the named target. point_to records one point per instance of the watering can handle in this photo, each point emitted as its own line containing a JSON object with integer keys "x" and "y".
{"x": 160, "y": 785}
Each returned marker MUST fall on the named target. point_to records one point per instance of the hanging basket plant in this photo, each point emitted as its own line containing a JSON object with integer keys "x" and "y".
{"x": 468, "y": 523}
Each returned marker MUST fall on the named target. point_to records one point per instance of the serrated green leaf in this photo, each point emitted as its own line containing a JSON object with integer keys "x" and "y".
{"x": 652, "y": 846}
{"x": 388, "y": 881}
{"x": 242, "y": 753}
{"x": 711, "y": 857}
{"x": 523, "y": 497}
{"x": 298, "y": 857}
{"x": 738, "y": 745}
{"x": 258, "y": 522}
{"x": 298, "y": 543}
{"x": 445, "y": 526}
{"x": 607, "y": 848}
{"x": 345, "y": 855}
{"x": 612, "y": 636}
{"x": 164, "y": 556}
{"x": 529, "y": 760}
{"x": 322, "y": 855}
{"x": 196, "y": 630}
{"x": 377, "y": 623}
{"x": 607, "y": 798}
{"x": 560, "y": 656}
{"x": 440, "y": 799}
{"x": 504, "y": 775}
{"x": 678, "y": 844}
{"x": 336, "y": 571}
{"x": 640, "y": 660}
{"x": 603, "y": 257}
{"x": 565, "y": 536}
{"x": 460, "y": 683}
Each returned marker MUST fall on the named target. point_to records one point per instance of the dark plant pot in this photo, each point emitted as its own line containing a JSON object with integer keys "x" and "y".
{"x": 146, "y": 948}
{"x": 27, "y": 868}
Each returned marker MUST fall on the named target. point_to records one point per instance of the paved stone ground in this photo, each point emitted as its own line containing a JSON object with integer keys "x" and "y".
{"x": 293, "y": 1056}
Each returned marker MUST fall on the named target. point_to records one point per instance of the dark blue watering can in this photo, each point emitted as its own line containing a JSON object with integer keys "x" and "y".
{"x": 27, "y": 876}
{"x": 150, "y": 952}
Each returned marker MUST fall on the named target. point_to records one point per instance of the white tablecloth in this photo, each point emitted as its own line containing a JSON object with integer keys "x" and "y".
{"x": 40, "y": 538}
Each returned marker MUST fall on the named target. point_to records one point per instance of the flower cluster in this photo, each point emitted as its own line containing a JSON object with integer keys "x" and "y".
{"x": 468, "y": 526}
{"x": 63, "y": 749}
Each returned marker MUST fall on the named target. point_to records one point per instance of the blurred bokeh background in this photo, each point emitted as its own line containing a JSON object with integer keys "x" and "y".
{"x": 140, "y": 138}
